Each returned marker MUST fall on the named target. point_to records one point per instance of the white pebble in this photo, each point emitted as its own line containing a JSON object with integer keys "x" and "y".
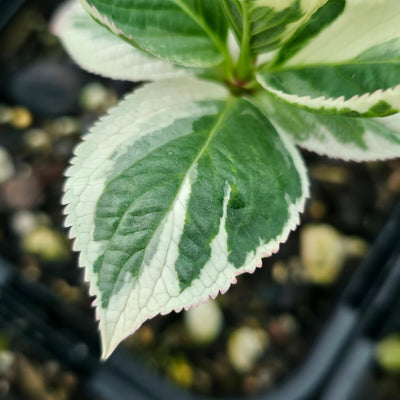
{"x": 7, "y": 168}
{"x": 204, "y": 322}
{"x": 245, "y": 346}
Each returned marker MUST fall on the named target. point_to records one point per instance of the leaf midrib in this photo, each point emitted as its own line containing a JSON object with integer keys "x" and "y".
{"x": 212, "y": 133}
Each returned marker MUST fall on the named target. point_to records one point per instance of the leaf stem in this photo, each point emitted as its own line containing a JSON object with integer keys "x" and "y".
{"x": 244, "y": 68}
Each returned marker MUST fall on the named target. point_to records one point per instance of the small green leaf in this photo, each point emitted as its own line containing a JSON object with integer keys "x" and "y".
{"x": 186, "y": 32}
{"x": 170, "y": 201}
{"x": 99, "y": 51}
{"x": 348, "y": 138}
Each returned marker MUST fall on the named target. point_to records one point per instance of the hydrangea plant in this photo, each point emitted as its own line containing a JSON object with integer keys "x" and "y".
{"x": 193, "y": 178}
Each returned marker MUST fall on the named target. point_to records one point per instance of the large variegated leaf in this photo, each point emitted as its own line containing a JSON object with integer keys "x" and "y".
{"x": 357, "y": 139}
{"x": 99, "y": 51}
{"x": 322, "y": 18}
{"x": 178, "y": 190}
{"x": 187, "y": 32}
{"x": 358, "y": 88}
{"x": 268, "y": 23}
{"x": 345, "y": 61}
{"x": 364, "y": 27}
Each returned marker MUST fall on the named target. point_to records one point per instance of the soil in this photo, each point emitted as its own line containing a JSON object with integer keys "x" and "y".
{"x": 43, "y": 113}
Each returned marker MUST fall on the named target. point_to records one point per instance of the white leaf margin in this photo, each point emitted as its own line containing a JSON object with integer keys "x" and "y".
{"x": 155, "y": 105}
{"x": 378, "y": 148}
{"x": 324, "y": 105}
{"x": 100, "y": 52}
{"x": 323, "y": 142}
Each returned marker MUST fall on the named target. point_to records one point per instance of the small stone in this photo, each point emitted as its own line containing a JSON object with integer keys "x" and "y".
{"x": 95, "y": 97}
{"x": 245, "y": 346}
{"x": 180, "y": 371}
{"x": 7, "y": 359}
{"x": 322, "y": 253}
{"x": 6, "y": 114}
{"x": 146, "y": 335}
{"x": 64, "y": 126}
{"x": 204, "y": 322}
{"x": 329, "y": 173}
{"x": 280, "y": 273}
{"x": 23, "y": 222}
{"x": 21, "y": 118}
{"x": 46, "y": 243}
{"x": 30, "y": 381}
{"x": 48, "y": 89}
{"x": 37, "y": 140}
{"x": 282, "y": 328}
{"x": 317, "y": 209}
{"x": 387, "y": 353}
{"x": 22, "y": 191}
{"x": 7, "y": 168}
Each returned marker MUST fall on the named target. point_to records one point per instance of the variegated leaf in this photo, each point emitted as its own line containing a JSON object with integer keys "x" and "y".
{"x": 345, "y": 61}
{"x": 366, "y": 29}
{"x": 178, "y": 190}
{"x": 186, "y": 32}
{"x": 269, "y": 22}
{"x": 99, "y": 51}
{"x": 358, "y": 88}
{"x": 348, "y": 138}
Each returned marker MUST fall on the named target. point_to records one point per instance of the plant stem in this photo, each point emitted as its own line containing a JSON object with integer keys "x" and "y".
{"x": 244, "y": 68}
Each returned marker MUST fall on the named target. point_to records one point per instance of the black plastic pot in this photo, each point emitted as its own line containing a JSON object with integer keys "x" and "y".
{"x": 336, "y": 368}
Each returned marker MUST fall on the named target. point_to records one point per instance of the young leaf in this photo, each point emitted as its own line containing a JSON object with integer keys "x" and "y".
{"x": 178, "y": 190}
{"x": 99, "y": 51}
{"x": 357, "y": 139}
{"x": 269, "y": 22}
{"x": 186, "y": 32}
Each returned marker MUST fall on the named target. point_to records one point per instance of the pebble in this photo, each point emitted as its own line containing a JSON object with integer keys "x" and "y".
{"x": 245, "y": 346}
{"x": 7, "y": 168}
{"x": 330, "y": 173}
{"x": 21, "y": 118}
{"x": 387, "y": 353}
{"x": 204, "y": 322}
{"x": 23, "y": 222}
{"x": 64, "y": 127}
{"x": 46, "y": 243}
{"x": 22, "y": 191}
{"x": 322, "y": 253}
{"x": 7, "y": 359}
{"x": 6, "y": 114}
{"x": 47, "y": 88}
{"x": 95, "y": 97}
{"x": 180, "y": 371}
{"x": 30, "y": 381}
{"x": 316, "y": 209}
{"x": 282, "y": 328}
{"x": 37, "y": 140}
{"x": 280, "y": 273}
